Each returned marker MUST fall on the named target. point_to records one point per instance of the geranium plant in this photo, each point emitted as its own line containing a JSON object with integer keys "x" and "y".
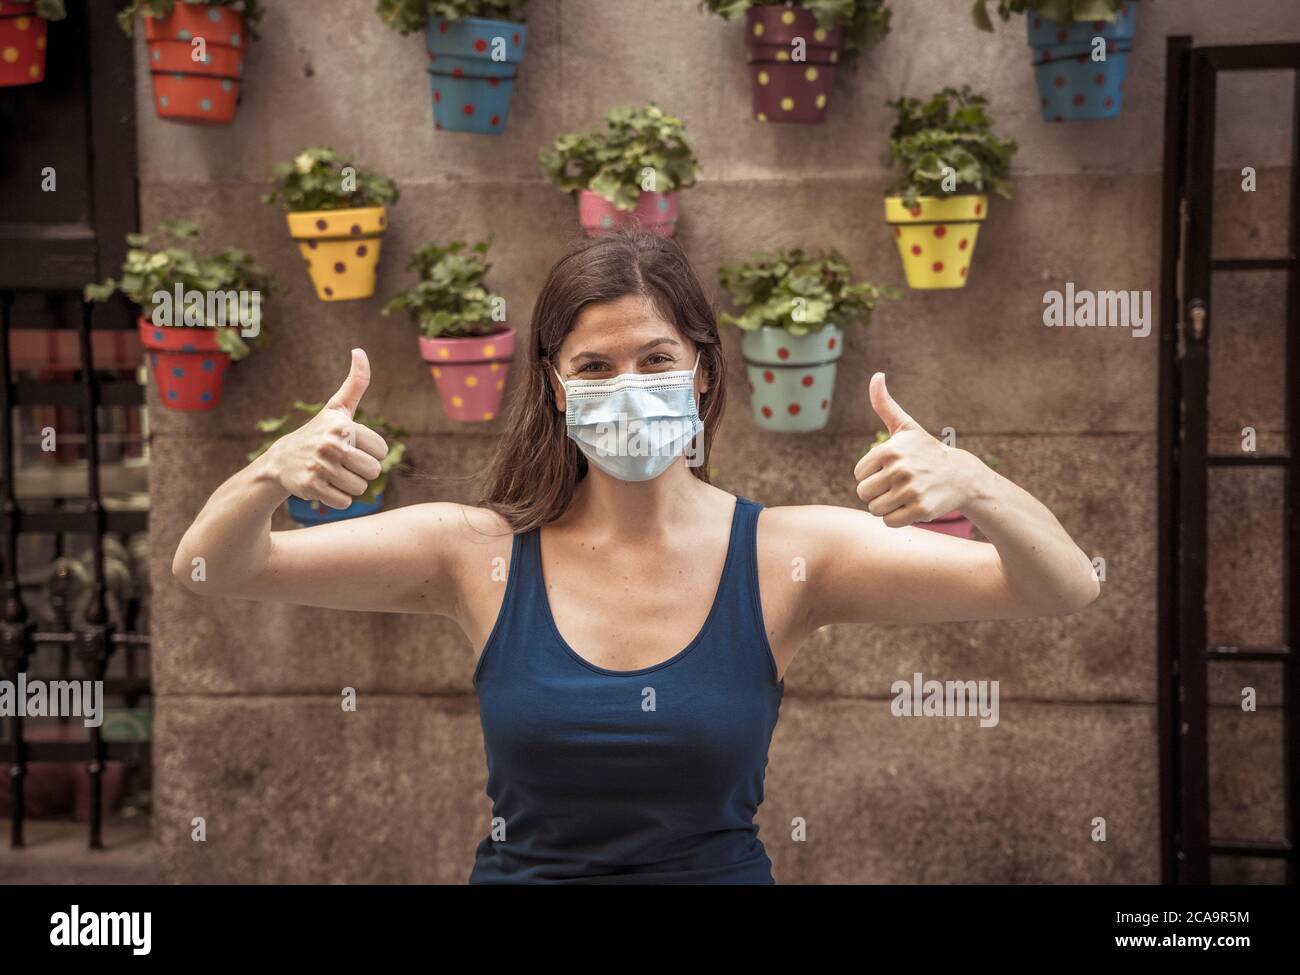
{"x": 946, "y": 145}
{"x": 1057, "y": 11}
{"x": 320, "y": 179}
{"x": 51, "y": 9}
{"x": 408, "y": 16}
{"x": 148, "y": 270}
{"x": 449, "y": 299}
{"x": 798, "y": 292}
{"x": 392, "y": 433}
{"x": 864, "y": 22}
{"x": 252, "y": 11}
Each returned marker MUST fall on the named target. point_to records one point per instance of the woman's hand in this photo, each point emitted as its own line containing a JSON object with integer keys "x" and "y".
{"x": 331, "y": 457}
{"x": 913, "y": 477}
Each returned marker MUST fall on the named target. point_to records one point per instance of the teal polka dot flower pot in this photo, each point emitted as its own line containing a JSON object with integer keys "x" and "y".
{"x": 473, "y": 64}
{"x": 308, "y": 513}
{"x": 189, "y": 368}
{"x": 792, "y": 377}
{"x": 1071, "y": 85}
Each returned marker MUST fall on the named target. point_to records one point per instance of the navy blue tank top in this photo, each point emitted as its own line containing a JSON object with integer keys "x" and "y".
{"x": 646, "y": 776}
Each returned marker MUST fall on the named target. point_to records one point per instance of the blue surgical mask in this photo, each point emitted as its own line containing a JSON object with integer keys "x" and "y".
{"x": 635, "y": 425}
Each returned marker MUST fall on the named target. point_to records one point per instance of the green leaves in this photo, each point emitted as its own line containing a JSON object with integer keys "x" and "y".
{"x": 315, "y": 180}
{"x": 408, "y": 16}
{"x": 51, "y": 9}
{"x": 450, "y": 300}
{"x": 798, "y": 292}
{"x": 865, "y": 22}
{"x": 637, "y": 147}
{"x": 1058, "y": 11}
{"x": 301, "y": 412}
{"x": 952, "y": 129}
{"x": 251, "y": 9}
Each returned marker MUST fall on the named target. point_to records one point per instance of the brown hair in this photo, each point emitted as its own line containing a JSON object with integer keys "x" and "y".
{"x": 531, "y": 479}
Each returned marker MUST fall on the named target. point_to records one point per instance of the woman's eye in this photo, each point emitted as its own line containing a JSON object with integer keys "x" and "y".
{"x": 659, "y": 359}
{"x": 594, "y": 365}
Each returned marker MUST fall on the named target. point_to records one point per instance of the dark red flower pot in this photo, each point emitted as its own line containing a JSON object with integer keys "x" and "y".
{"x": 22, "y": 45}
{"x": 189, "y": 367}
{"x": 953, "y": 523}
{"x": 786, "y": 90}
{"x": 185, "y": 90}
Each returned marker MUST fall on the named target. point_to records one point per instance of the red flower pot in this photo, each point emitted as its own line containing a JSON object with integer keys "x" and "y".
{"x": 656, "y": 212}
{"x": 22, "y": 44}
{"x": 953, "y": 523}
{"x": 189, "y": 367}
{"x": 202, "y": 92}
{"x": 470, "y": 372}
{"x": 786, "y": 90}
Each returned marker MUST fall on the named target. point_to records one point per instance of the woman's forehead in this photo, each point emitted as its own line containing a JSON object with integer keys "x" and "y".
{"x": 613, "y": 323}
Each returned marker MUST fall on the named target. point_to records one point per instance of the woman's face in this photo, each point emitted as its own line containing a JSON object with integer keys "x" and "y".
{"x": 627, "y": 335}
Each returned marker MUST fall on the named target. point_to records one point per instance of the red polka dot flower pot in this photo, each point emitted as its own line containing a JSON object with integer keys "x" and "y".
{"x": 473, "y": 64}
{"x": 936, "y": 237}
{"x": 23, "y": 36}
{"x": 470, "y": 372}
{"x": 656, "y": 212}
{"x": 201, "y": 92}
{"x": 953, "y": 523}
{"x": 341, "y": 248}
{"x": 792, "y": 377}
{"x": 189, "y": 368}
{"x": 786, "y": 90}
{"x": 1071, "y": 85}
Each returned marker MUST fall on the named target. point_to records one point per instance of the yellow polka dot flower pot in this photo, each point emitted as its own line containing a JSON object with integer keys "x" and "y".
{"x": 23, "y": 35}
{"x": 936, "y": 237}
{"x": 786, "y": 90}
{"x": 341, "y": 249}
{"x": 470, "y": 372}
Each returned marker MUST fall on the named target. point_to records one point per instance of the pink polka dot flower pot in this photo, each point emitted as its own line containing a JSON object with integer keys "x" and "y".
{"x": 189, "y": 368}
{"x": 22, "y": 44}
{"x": 199, "y": 92}
{"x": 341, "y": 248}
{"x": 656, "y": 212}
{"x": 470, "y": 372}
{"x": 792, "y": 377}
{"x": 1072, "y": 86}
{"x": 953, "y": 523}
{"x": 936, "y": 237}
{"x": 473, "y": 64}
{"x": 785, "y": 90}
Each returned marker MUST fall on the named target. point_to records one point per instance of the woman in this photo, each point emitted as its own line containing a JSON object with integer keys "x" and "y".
{"x": 632, "y": 622}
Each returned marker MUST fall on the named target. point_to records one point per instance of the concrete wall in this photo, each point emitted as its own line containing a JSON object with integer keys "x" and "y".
{"x": 249, "y": 731}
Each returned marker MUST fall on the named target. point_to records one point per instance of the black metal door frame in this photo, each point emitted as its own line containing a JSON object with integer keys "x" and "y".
{"x": 1187, "y": 268}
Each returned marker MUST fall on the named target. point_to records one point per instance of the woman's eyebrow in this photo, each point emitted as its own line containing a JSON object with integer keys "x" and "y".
{"x": 662, "y": 340}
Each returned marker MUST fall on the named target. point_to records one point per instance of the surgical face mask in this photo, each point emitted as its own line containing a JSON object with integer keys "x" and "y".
{"x": 635, "y": 425}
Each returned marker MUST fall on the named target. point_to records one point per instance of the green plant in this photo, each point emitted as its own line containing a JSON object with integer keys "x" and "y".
{"x": 147, "y": 272}
{"x": 278, "y": 426}
{"x": 407, "y": 16}
{"x": 51, "y": 9}
{"x": 865, "y": 22}
{"x": 251, "y": 9}
{"x": 449, "y": 299}
{"x": 636, "y": 147}
{"x": 946, "y": 146}
{"x": 990, "y": 460}
{"x": 798, "y": 292}
{"x": 315, "y": 179}
{"x": 1057, "y": 11}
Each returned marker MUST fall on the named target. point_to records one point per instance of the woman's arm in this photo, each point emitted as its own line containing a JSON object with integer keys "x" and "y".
{"x": 872, "y": 567}
{"x": 403, "y": 560}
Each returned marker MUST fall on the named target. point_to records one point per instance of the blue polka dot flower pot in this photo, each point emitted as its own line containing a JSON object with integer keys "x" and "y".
{"x": 792, "y": 377}
{"x": 188, "y": 366}
{"x": 1072, "y": 86}
{"x": 308, "y": 513}
{"x": 473, "y": 64}
{"x": 202, "y": 92}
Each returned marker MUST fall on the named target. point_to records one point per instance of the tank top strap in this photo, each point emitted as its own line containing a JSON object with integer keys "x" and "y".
{"x": 743, "y": 600}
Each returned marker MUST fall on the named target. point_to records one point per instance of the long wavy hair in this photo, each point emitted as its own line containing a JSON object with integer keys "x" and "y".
{"x": 532, "y": 476}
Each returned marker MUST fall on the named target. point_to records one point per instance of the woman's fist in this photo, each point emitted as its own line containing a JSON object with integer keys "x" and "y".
{"x": 912, "y": 476}
{"x": 331, "y": 457}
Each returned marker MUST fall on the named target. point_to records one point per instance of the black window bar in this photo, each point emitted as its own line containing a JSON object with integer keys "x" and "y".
{"x": 96, "y": 638}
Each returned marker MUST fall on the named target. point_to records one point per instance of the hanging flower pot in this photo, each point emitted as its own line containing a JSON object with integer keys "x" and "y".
{"x": 24, "y": 32}
{"x": 308, "y": 513}
{"x": 789, "y": 302}
{"x": 470, "y": 373}
{"x": 950, "y": 157}
{"x": 337, "y": 216}
{"x": 189, "y": 367}
{"x": 471, "y": 90}
{"x": 626, "y": 174}
{"x": 786, "y": 90}
{"x": 1071, "y": 85}
{"x": 936, "y": 237}
{"x": 656, "y": 212}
